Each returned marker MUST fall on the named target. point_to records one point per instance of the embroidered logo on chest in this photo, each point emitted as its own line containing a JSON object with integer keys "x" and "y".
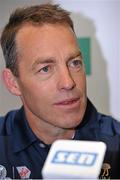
{"x": 23, "y": 171}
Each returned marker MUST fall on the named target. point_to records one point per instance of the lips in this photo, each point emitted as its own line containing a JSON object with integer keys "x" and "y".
{"x": 67, "y": 102}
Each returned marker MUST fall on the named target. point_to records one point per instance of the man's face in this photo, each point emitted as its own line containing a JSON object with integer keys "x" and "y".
{"x": 51, "y": 79}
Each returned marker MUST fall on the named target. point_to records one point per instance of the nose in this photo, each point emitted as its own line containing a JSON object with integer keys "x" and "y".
{"x": 66, "y": 81}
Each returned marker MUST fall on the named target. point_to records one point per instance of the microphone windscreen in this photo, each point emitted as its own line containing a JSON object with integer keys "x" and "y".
{"x": 74, "y": 159}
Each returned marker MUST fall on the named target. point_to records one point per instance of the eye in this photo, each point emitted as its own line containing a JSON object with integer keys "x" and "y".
{"x": 76, "y": 63}
{"x": 45, "y": 69}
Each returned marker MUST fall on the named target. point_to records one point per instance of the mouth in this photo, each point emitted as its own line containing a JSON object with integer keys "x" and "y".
{"x": 68, "y": 103}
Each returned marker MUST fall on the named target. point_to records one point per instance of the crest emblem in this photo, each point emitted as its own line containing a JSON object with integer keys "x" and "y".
{"x": 24, "y": 172}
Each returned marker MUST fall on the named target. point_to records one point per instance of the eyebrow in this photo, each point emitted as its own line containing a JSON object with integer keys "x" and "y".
{"x": 42, "y": 61}
{"x": 78, "y": 53}
{"x": 52, "y": 60}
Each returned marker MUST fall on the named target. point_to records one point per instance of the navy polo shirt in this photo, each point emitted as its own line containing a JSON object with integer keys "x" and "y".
{"x": 20, "y": 150}
{"x": 23, "y": 154}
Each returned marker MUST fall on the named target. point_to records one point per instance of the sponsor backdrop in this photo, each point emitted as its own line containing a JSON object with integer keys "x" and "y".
{"x": 97, "y": 27}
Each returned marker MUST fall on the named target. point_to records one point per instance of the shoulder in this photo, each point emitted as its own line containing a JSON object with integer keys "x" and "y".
{"x": 108, "y": 124}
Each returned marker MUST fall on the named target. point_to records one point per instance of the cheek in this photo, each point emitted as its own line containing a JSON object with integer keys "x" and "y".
{"x": 41, "y": 95}
{"x": 36, "y": 100}
{"x": 81, "y": 81}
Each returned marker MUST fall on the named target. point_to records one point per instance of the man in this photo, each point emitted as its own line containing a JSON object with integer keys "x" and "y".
{"x": 44, "y": 67}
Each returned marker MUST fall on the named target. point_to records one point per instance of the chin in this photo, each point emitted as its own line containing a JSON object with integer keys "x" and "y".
{"x": 74, "y": 121}
{"x": 71, "y": 123}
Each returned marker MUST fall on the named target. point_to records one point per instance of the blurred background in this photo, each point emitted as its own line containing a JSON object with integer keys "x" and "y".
{"x": 97, "y": 26}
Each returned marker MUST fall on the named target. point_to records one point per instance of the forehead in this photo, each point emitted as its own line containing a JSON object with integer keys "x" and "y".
{"x": 46, "y": 40}
{"x": 43, "y": 32}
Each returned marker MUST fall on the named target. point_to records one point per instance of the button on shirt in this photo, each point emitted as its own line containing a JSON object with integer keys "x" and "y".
{"x": 23, "y": 154}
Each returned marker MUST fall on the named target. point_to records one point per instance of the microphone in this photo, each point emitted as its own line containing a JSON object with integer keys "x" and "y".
{"x": 74, "y": 159}
{"x": 3, "y": 172}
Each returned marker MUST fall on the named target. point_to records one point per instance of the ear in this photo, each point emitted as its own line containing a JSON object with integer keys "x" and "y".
{"x": 11, "y": 82}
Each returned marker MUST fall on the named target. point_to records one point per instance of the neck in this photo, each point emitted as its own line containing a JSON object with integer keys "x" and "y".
{"x": 48, "y": 137}
{"x": 48, "y": 133}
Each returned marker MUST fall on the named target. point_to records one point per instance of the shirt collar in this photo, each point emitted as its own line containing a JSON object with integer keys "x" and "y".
{"x": 89, "y": 127}
{"x": 24, "y": 136}
{"x": 90, "y": 115}
{"x": 22, "y": 133}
